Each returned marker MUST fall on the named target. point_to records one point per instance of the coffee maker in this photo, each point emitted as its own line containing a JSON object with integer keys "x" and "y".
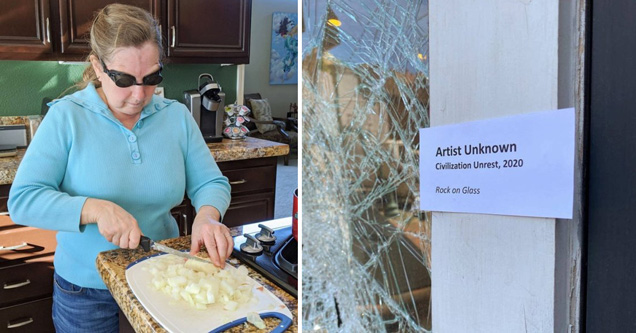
{"x": 207, "y": 105}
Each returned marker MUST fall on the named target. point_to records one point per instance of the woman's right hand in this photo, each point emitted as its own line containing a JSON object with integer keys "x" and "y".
{"x": 113, "y": 222}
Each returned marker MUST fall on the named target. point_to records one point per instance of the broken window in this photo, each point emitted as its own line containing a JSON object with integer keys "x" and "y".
{"x": 366, "y": 245}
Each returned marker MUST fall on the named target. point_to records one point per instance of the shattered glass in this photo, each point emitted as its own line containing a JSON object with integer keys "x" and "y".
{"x": 366, "y": 245}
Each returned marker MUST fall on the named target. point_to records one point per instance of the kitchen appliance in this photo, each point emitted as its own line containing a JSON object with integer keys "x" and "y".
{"x": 270, "y": 249}
{"x": 8, "y": 150}
{"x": 207, "y": 105}
{"x": 13, "y": 135}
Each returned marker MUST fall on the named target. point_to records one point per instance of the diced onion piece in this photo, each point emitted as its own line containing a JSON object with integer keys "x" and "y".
{"x": 210, "y": 297}
{"x": 177, "y": 281}
{"x": 256, "y": 320}
{"x": 200, "y": 299}
{"x": 241, "y": 271}
{"x": 186, "y": 297}
{"x": 230, "y": 305}
{"x": 193, "y": 288}
{"x": 158, "y": 283}
{"x": 223, "y": 274}
{"x": 201, "y": 266}
{"x": 227, "y": 288}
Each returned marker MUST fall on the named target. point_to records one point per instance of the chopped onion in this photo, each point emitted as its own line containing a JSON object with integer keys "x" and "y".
{"x": 199, "y": 284}
{"x": 256, "y": 320}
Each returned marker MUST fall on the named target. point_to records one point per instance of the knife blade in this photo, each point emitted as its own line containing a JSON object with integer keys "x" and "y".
{"x": 147, "y": 244}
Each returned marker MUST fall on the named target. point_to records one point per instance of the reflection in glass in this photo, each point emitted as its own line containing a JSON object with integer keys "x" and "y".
{"x": 366, "y": 245}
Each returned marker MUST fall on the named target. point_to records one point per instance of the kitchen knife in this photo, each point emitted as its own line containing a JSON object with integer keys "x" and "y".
{"x": 147, "y": 244}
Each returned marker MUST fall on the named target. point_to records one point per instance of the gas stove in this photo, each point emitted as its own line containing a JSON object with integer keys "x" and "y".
{"x": 270, "y": 249}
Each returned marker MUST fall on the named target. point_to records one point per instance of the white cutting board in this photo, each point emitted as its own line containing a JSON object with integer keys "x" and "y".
{"x": 178, "y": 316}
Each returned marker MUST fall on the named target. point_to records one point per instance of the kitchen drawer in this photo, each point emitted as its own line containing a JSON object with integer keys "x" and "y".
{"x": 26, "y": 280}
{"x": 252, "y": 179}
{"x": 27, "y": 242}
{"x": 27, "y": 317}
{"x": 257, "y": 174}
{"x": 249, "y": 209}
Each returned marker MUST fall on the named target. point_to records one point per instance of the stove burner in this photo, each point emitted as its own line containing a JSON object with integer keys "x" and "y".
{"x": 266, "y": 263}
{"x": 252, "y": 246}
{"x": 266, "y": 235}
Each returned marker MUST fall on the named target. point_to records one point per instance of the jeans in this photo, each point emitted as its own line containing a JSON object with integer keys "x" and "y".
{"x": 79, "y": 309}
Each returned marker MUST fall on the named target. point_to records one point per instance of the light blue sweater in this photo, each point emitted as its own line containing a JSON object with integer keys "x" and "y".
{"x": 81, "y": 150}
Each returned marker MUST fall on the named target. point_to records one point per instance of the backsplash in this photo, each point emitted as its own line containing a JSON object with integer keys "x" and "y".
{"x": 24, "y": 84}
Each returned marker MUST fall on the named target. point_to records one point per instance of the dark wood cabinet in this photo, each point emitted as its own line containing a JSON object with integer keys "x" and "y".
{"x": 28, "y": 317}
{"x": 253, "y": 184}
{"x": 25, "y": 27}
{"x": 250, "y": 208}
{"x": 26, "y": 277}
{"x": 217, "y": 30}
{"x": 76, "y": 17}
{"x": 194, "y": 31}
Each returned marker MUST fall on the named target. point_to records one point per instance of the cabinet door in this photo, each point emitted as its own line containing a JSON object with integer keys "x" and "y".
{"x": 248, "y": 209}
{"x": 215, "y": 29}
{"x": 25, "y": 26}
{"x": 76, "y": 18}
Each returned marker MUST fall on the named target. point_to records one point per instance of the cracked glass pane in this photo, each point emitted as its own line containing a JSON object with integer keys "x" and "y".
{"x": 366, "y": 245}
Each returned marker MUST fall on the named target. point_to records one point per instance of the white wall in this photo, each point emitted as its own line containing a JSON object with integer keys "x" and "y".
{"x": 490, "y": 59}
{"x": 257, "y": 71}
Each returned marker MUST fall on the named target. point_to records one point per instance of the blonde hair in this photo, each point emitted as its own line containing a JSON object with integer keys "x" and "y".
{"x": 116, "y": 26}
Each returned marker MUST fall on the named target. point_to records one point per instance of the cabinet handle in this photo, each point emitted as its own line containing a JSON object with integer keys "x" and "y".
{"x": 20, "y": 324}
{"x": 17, "y": 285}
{"x": 160, "y": 31}
{"x": 236, "y": 182}
{"x": 15, "y": 247}
{"x": 185, "y": 224}
{"x": 48, "y": 31}
{"x": 173, "y": 36}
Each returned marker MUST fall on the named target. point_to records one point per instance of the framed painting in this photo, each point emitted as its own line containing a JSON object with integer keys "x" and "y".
{"x": 283, "y": 65}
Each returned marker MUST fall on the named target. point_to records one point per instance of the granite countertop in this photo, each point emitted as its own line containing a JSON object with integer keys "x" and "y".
{"x": 112, "y": 268}
{"x": 228, "y": 150}
{"x": 232, "y": 150}
{"x": 9, "y": 166}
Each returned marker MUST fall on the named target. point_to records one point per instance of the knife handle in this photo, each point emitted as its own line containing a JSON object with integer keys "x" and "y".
{"x": 145, "y": 243}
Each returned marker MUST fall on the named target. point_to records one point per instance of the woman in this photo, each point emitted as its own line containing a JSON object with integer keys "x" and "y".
{"x": 107, "y": 165}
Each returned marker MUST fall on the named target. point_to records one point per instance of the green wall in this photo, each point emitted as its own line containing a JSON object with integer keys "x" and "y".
{"x": 23, "y": 84}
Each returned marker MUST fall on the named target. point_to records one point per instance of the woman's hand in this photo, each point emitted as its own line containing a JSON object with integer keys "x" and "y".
{"x": 113, "y": 222}
{"x": 208, "y": 231}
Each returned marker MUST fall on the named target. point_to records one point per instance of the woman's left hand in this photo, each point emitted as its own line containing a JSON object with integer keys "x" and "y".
{"x": 208, "y": 231}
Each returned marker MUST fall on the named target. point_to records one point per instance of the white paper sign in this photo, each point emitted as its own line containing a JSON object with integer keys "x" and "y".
{"x": 518, "y": 165}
